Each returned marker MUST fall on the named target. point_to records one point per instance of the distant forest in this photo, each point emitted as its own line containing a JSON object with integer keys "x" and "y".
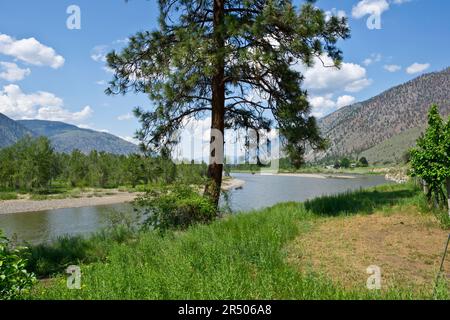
{"x": 32, "y": 165}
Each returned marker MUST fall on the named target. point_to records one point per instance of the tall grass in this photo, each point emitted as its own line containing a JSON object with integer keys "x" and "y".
{"x": 238, "y": 257}
{"x": 8, "y": 196}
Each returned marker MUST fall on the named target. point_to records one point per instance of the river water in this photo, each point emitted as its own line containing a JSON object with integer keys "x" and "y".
{"x": 258, "y": 192}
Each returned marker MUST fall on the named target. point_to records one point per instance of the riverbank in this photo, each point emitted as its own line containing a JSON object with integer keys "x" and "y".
{"x": 317, "y": 175}
{"x": 94, "y": 197}
{"x": 262, "y": 254}
{"x": 28, "y": 205}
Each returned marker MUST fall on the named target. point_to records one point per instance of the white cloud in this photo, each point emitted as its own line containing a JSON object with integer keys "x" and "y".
{"x": 30, "y": 51}
{"x": 322, "y": 102}
{"x": 122, "y": 41}
{"x": 335, "y": 12}
{"x": 125, "y": 117}
{"x": 60, "y": 114}
{"x": 11, "y": 72}
{"x": 40, "y": 105}
{"x": 369, "y": 7}
{"x": 392, "y": 67}
{"x": 101, "y": 82}
{"x": 344, "y": 101}
{"x": 417, "y": 68}
{"x": 323, "y": 105}
{"x": 357, "y": 86}
{"x": 321, "y": 79}
{"x": 99, "y": 53}
{"x": 373, "y": 7}
{"x": 374, "y": 57}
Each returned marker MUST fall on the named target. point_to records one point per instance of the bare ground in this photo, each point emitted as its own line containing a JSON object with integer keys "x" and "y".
{"x": 26, "y": 205}
{"x": 407, "y": 246}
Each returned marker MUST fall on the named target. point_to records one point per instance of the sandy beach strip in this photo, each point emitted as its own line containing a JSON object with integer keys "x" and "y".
{"x": 15, "y": 206}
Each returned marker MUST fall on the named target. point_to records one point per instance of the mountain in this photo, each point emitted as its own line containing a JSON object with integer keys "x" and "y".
{"x": 66, "y": 137}
{"x": 11, "y": 131}
{"x": 384, "y": 127}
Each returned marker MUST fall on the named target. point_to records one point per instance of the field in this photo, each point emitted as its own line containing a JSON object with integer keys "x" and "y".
{"x": 316, "y": 250}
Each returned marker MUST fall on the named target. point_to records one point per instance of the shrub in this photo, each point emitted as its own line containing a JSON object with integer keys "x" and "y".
{"x": 15, "y": 280}
{"x": 8, "y": 196}
{"x": 176, "y": 207}
{"x": 363, "y": 162}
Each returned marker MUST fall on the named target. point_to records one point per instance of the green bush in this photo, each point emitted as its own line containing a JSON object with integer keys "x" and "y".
{"x": 8, "y": 196}
{"x": 15, "y": 280}
{"x": 175, "y": 207}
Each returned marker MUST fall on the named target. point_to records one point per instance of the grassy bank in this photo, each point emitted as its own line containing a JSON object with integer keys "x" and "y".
{"x": 239, "y": 257}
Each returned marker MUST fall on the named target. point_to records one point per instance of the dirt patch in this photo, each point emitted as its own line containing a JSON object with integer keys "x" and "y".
{"x": 407, "y": 246}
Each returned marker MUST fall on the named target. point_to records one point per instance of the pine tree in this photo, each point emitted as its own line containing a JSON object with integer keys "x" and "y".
{"x": 230, "y": 59}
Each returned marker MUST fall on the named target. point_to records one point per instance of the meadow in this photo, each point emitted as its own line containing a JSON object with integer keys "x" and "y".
{"x": 245, "y": 256}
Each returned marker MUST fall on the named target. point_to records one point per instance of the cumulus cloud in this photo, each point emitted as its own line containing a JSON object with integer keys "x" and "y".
{"x": 374, "y": 57}
{"x": 323, "y": 105}
{"x": 358, "y": 85}
{"x": 11, "y": 72}
{"x": 417, "y": 68}
{"x": 336, "y": 13}
{"x": 40, "y": 105}
{"x": 392, "y": 67}
{"x": 344, "y": 101}
{"x": 321, "y": 79}
{"x": 369, "y": 7}
{"x": 99, "y": 53}
{"x": 30, "y": 51}
{"x": 125, "y": 117}
{"x": 373, "y": 7}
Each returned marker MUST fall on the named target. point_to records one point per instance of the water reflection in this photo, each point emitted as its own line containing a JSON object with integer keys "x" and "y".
{"x": 258, "y": 192}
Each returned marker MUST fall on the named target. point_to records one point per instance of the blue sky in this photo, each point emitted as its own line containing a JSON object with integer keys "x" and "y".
{"x": 60, "y": 74}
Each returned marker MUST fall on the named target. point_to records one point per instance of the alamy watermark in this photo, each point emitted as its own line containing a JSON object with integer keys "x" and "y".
{"x": 374, "y": 280}
{"x": 74, "y": 278}
{"x": 73, "y": 22}
{"x": 257, "y": 147}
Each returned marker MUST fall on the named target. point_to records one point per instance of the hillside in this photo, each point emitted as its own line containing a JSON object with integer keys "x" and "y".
{"x": 66, "y": 137}
{"x": 11, "y": 131}
{"x": 363, "y": 126}
{"x": 393, "y": 149}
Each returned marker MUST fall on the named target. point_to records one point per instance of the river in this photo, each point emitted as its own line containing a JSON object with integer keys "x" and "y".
{"x": 258, "y": 192}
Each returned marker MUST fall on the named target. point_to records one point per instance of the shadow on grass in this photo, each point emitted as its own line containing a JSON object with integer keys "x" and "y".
{"x": 49, "y": 259}
{"x": 364, "y": 201}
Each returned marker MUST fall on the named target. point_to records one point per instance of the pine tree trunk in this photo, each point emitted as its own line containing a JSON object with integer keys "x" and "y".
{"x": 448, "y": 195}
{"x": 215, "y": 167}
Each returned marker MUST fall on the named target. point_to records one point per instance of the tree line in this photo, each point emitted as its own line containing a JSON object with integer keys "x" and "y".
{"x": 32, "y": 165}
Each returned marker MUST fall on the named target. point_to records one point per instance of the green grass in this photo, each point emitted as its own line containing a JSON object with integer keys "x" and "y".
{"x": 8, "y": 196}
{"x": 238, "y": 257}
